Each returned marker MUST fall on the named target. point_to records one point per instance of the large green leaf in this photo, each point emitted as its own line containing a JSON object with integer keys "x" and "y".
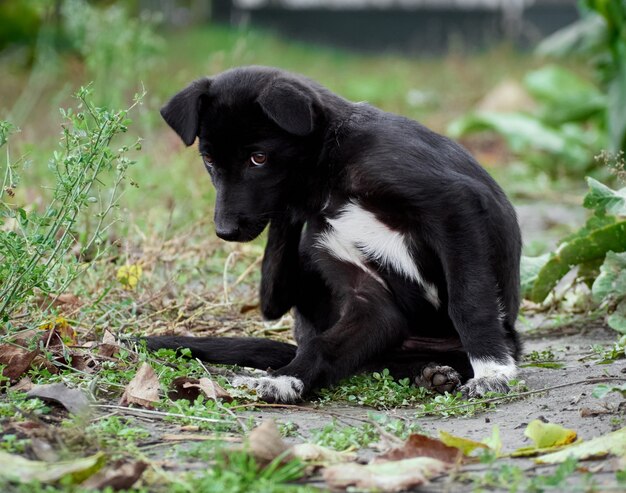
{"x": 611, "y": 283}
{"x": 565, "y": 97}
{"x": 523, "y": 132}
{"x": 604, "y": 199}
{"x": 617, "y": 319}
{"x": 529, "y": 271}
{"x": 585, "y": 36}
{"x": 582, "y": 249}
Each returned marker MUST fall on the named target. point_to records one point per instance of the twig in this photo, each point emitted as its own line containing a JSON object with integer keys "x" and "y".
{"x": 230, "y": 259}
{"x": 248, "y": 270}
{"x": 131, "y": 410}
{"x": 524, "y": 394}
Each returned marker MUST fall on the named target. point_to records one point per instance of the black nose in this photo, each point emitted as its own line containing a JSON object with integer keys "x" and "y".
{"x": 228, "y": 233}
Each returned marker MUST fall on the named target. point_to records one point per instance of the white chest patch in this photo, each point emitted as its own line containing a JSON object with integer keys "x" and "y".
{"x": 357, "y": 236}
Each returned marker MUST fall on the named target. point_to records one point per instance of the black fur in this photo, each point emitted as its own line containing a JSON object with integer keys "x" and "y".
{"x": 323, "y": 152}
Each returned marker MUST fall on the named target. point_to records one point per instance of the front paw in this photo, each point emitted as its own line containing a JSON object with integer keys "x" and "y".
{"x": 478, "y": 387}
{"x": 438, "y": 378}
{"x": 282, "y": 389}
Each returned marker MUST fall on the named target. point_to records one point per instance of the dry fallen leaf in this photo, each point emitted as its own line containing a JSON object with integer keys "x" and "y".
{"x": 213, "y": 390}
{"x": 106, "y": 350}
{"x": 310, "y": 452}
{"x": 74, "y": 400}
{"x": 143, "y": 389}
{"x": 16, "y": 360}
{"x": 265, "y": 443}
{"x": 108, "y": 337}
{"x": 25, "y": 384}
{"x": 386, "y": 476}
{"x": 190, "y": 388}
{"x": 423, "y": 446}
{"x": 121, "y": 475}
{"x": 610, "y": 444}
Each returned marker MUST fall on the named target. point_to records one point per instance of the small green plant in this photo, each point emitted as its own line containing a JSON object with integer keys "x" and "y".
{"x": 115, "y": 430}
{"x": 597, "y": 250}
{"x": 542, "y": 359}
{"x": 379, "y": 390}
{"x": 340, "y": 437}
{"x": 239, "y": 472}
{"x": 512, "y": 478}
{"x": 35, "y": 246}
{"x": 613, "y": 353}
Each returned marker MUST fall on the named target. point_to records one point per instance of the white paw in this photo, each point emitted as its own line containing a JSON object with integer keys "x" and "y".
{"x": 282, "y": 389}
{"x": 478, "y": 387}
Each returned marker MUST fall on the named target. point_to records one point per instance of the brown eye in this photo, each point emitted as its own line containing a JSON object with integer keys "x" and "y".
{"x": 208, "y": 160}
{"x": 258, "y": 158}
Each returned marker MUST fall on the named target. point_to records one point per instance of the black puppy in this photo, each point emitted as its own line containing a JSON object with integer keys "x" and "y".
{"x": 393, "y": 246}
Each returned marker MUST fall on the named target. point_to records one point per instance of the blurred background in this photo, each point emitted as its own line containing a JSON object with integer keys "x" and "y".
{"x": 536, "y": 89}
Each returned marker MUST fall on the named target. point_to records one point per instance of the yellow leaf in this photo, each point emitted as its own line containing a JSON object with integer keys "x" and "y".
{"x": 612, "y": 443}
{"x": 17, "y": 469}
{"x": 465, "y": 445}
{"x": 61, "y": 326}
{"x": 549, "y": 434}
{"x": 129, "y": 275}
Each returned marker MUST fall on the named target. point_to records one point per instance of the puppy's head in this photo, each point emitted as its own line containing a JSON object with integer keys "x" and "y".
{"x": 257, "y": 131}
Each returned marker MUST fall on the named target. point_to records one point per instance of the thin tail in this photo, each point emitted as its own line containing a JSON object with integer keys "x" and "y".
{"x": 242, "y": 351}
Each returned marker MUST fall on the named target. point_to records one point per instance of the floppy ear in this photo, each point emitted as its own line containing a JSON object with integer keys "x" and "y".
{"x": 289, "y": 106}
{"x": 182, "y": 112}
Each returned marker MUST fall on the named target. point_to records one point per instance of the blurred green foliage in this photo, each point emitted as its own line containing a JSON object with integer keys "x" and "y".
{"x": 20, "y": 21}
{"x": 562, "y": 135}
{"x": 575, "y": 118}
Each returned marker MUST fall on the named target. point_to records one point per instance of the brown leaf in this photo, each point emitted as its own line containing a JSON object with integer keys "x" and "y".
{"x": 265, "y": 443}
{"x": 108, "y": 338}
{"x": 74, "y": 400}
{"x": 182, "y": 390}
{"x": 143, "y": 389}
{"x": 107, "y": 350}
{"x": 311, "y": 452}
{"x": 190, "y": 388}
{"x": 213, "y": 390}
{"x": 422, "y": 446}
{"x": 387, "y": 476}
{"x": 25, "y": 384}
{"x": 121, "y": 475}
{"x": 16, "y": 359}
